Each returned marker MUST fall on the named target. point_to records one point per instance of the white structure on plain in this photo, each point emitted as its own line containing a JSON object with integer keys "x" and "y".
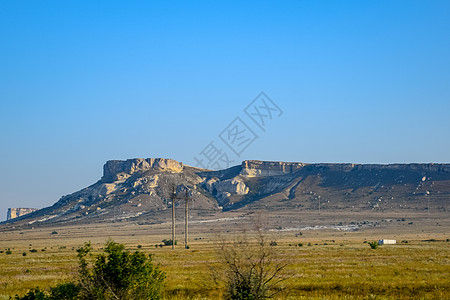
{"x": 387, "y": 242}
{"x": 18, "y": 212}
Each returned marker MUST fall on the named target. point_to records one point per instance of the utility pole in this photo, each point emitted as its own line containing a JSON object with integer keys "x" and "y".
{"x": 173, "y": 218}
{"x": 186, "y": 216}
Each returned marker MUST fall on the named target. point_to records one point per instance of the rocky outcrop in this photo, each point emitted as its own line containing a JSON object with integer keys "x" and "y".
{"x": 18, "y": 212}
{"x": 118, "y": 170}
{"x": 222, "y": 190}
{"x": 256, "y": 168}
{"x": 233, "y": 186}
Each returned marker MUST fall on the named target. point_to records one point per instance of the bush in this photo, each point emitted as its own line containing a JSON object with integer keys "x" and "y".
{"x": 168, "y": 242}
{"x": 252, "y": 270}
{"x": 273, "y": 243}
{"x": 118, "y": 274}
{"x": 373, "y": 245}
{"x": 33, "y": 251}
{"x": 35, "y": 294}
{"x": 66, "y": 291}
{"x": 8, "y": 251}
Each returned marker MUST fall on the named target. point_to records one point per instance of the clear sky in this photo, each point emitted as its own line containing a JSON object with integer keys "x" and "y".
{"x": 82, "y": 82}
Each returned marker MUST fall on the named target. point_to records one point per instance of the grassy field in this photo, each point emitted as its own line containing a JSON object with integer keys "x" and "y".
{"x": 328, "y": 264}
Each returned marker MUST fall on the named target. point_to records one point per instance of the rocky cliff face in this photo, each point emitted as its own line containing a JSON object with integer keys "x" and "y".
{"x": 116, "y": 170}
{"x": 256, "y": 168}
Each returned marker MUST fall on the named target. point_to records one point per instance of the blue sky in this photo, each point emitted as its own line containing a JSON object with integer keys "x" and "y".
{"x": 82, "y": 82}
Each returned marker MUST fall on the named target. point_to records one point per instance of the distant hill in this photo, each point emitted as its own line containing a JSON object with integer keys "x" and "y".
{"x": 140, "y": 190}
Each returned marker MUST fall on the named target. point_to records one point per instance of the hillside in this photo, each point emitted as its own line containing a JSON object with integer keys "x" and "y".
{"x": 140, "y": 190}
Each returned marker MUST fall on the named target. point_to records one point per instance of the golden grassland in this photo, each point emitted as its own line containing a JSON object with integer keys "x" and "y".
{"x": 329, "y": 264}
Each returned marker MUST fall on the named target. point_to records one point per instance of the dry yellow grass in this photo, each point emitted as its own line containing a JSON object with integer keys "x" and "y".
{"x": 335, "y": 265}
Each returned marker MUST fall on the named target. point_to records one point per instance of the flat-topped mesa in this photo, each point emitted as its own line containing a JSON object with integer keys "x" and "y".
{"x": 115, "y": 170}
{"x": 18, "y": 212}
{"x": 256, "y": 168}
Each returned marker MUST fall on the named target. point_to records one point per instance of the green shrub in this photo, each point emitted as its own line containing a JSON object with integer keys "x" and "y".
{"x": 65, "y": 291}
{"x": 8, "y": 251}
{"x": 115, "y": 274}
{"x": 119, "y": 274}
{"x": 373, "y": 245}
{"x": 24, "y": 254}
{"x": 273, "y": 243}
{"x": 35, "y": 294}
{"x": 33, "y": 251}
{"x": 168, "y": 242}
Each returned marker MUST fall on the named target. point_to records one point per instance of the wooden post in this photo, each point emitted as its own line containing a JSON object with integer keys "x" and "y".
{"x": 173, "y": 218}
{"x": 186, "y": 216}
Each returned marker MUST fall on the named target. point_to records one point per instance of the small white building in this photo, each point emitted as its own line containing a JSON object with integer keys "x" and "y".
{"x": 387, "y": 242}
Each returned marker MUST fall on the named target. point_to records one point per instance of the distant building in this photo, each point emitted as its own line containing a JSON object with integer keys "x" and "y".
{"x": 18, "y": 212}
{"x": 387, "y": 242}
